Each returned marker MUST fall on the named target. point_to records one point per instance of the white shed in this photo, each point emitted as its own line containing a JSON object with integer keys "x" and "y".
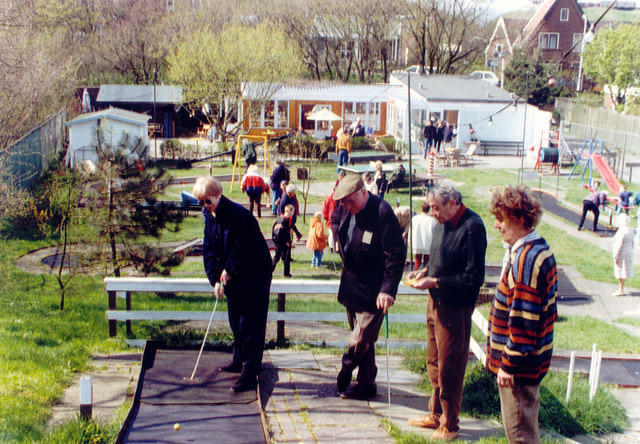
{"x": 469, "y": 103}
{"x": 114, "y": 122}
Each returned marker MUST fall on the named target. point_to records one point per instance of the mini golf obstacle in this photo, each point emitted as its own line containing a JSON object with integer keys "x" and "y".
{"x": 169, "y": 407}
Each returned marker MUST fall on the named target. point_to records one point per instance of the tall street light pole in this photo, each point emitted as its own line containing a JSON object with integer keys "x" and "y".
{"x": 155, "y": 135}
{"x": 584, "y": 32}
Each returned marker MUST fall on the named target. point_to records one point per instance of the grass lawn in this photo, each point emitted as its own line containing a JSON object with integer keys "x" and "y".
{"x": 42, "y": 347}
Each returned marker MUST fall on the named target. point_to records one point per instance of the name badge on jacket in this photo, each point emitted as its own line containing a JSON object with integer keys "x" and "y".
{"x": 366, "y": 237}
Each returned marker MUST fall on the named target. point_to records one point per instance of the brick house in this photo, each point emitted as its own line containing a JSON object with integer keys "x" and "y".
{"x": 555, "y": 27}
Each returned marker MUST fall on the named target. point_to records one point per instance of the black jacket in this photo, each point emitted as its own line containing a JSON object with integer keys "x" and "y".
{"x": 233, "y": 242}
{"x": 429, "y": 132}
{"x": 459, "y": 261}
{"x": 374, "y": 259}
{"x": 279, "y": 174}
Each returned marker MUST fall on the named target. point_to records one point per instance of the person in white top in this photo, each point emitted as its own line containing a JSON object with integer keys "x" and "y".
{"x": 369, "y": 184}
{"x": 422, "y": 231}
{"x": 622, "y": 252}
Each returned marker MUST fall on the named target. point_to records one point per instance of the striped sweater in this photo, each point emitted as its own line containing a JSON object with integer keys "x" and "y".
{"x": 523, "y": 312}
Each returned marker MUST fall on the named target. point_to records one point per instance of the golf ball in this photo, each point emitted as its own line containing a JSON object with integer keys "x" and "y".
{"x": 176, "y": 426}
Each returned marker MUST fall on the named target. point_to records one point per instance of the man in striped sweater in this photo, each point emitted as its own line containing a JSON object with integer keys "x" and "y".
{"x": 523, "y": 312}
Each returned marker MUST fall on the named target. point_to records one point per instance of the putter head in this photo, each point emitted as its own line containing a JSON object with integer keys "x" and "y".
{"x": 192, "y": 380}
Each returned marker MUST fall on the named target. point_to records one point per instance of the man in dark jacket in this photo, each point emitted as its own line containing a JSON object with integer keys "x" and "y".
{"x": 454, "y": 276}
{"x": 280, "y": 173}
{"x": 429, "y": 133}
{"x": 369, "y": 240}
{"x": 238, "y": 264}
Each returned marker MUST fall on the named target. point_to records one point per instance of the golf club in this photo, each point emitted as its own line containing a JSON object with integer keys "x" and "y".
{"x": 386, "y": 334}
{"x": 204, "y": 340}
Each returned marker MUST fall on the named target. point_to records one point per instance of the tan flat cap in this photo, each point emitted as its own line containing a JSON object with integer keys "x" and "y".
{"x": 349, "y": 184}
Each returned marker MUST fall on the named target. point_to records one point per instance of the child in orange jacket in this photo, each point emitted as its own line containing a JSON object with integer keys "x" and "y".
{"x": 317, "y": 240}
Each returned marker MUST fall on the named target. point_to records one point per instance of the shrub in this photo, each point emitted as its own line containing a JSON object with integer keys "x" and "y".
{"x": 360, "y": 144}
{"x": 480, "y": 395}
{"x": 171, "y": 148}
{"x": 389, "y": 142}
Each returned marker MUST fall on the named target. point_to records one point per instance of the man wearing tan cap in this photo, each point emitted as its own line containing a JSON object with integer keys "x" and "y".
{"x": 368, "y": 238}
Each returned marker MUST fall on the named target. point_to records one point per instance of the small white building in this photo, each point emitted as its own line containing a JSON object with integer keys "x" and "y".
{"x": 114, "y": 123}
{"x": 493, "y": 113}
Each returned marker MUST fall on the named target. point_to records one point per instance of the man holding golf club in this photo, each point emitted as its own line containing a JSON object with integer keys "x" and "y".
{"x": 369, "y": 240}
{"x": 238, "y": 264}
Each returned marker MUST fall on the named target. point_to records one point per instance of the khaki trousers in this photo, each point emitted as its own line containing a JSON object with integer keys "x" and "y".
{"x": 448, "y": 334}
{"x": 361, "y": 353}
{"x": 519, "y": 406}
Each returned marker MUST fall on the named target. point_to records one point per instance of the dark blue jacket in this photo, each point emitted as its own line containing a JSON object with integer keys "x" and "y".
{"x": 279, "y": 174}
{"x": 233, "y": 242}
{"x": 286, "y": 200}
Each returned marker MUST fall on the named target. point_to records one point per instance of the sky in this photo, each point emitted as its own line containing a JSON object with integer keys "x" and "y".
{"x": 499, "y": 7}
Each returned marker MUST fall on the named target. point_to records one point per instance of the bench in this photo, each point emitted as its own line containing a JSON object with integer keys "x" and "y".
{"x": 501, "y": 146}
{"x": 122, "y": 288}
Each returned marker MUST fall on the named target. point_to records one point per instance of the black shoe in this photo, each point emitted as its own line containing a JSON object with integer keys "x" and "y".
{"x": 288, "y": 275}
{"x": 231, "y": 367}
{"x": 344, "y": 379}
{"x": 361, "y": 392}
{"x": 244, "y": 385}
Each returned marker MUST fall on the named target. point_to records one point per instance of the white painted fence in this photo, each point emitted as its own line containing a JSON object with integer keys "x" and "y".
{"x": 123, "y": 287}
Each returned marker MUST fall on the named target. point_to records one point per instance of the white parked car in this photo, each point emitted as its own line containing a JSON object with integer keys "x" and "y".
{"x": 486, "y": 75}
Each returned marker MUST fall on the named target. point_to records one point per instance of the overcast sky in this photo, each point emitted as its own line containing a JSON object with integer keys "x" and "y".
{"x": 498, "y": 7}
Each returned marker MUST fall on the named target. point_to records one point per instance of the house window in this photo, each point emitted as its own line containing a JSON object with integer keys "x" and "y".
{"x": 499, "y": 49}
{"x": 367, "y": 112}
{"x": 282, "y": 117}
{"x": 548, "y": 40}
{"x": 564, "y": 14}
{"x": 577, "y": 41}
{"x": 269, "y": 113}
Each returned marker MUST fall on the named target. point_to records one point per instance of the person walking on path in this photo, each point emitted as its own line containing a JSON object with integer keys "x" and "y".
{"x": 343, "y": 148}
{"x": 454, "y": 277}
{"x": 253, "y": 184}
{"x": 369, "y": 241}
{"x": 422, "y": 227}
{"x": 523, "y": 312}
{"x": 280, "y": 173}
{"x": 429, "y": 134}
{"x": 238, "y": 264}
{"x": 281, "y": 236}
{"x": 317, "y": 239}
{"x": 289, "y": 198}
{"x": 591, "y": 203}
{"x": 622, "y": 252}
{"x": 439, "y": 136}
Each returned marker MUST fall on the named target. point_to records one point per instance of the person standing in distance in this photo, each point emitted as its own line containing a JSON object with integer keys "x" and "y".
{"x": 238, "y": 264}
{"x": 523, "y": 312}
{"x": 453, "y": 277}
{"x": 369, "y": 241}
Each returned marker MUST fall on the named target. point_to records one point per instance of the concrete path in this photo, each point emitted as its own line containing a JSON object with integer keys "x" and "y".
{"x": 302, "y": 404}
{"x": 114, "y": 380}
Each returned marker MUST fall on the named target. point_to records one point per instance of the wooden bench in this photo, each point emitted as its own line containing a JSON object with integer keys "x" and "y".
{"x": 501, "y": 146}
{"x": 122, "y": 288}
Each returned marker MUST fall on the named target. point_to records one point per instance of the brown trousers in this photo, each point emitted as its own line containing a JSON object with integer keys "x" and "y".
{"x": 361, "y": 353}
{"x": 448, "y": 334}
{"x": 519, "y": 406}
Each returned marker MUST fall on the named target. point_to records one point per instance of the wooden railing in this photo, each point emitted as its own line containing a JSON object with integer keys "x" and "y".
{"x": 124, "y": 287}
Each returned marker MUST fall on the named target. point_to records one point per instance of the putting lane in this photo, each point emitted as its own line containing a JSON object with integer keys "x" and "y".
{"x": 168, "y": 407}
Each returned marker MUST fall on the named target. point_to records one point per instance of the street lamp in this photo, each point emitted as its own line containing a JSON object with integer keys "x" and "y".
{"x": 586, "y": 38}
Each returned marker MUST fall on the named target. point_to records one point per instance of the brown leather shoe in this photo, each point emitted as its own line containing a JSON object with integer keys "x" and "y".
{"x": 426, "y": 422}
{"x": 444, "y": 434}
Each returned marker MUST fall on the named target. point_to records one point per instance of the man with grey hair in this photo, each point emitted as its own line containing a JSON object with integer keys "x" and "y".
{"x": 453, "y": 277}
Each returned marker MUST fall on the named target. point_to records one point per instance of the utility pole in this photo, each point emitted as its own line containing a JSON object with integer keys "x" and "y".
{"x": 155, "y": 135}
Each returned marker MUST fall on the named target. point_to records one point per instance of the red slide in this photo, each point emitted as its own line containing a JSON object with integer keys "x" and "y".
{"x": 607, "y": 173}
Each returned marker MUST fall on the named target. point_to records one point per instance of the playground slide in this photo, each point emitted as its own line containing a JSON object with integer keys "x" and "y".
{"x": 607, "y": 173}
